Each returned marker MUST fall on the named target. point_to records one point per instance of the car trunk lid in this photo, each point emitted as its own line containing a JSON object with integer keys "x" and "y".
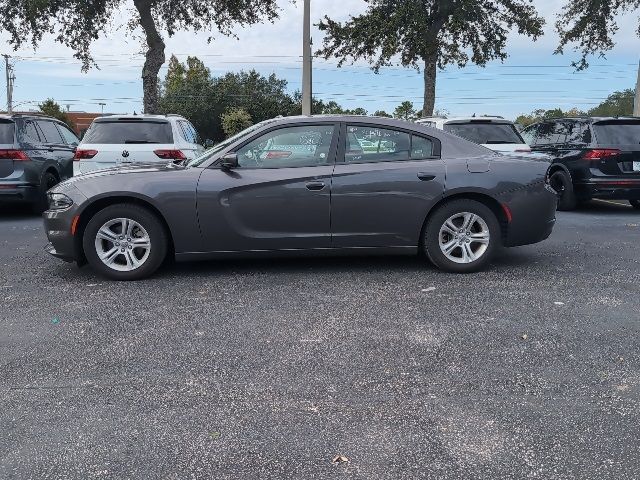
{"x": 618, "y": 147}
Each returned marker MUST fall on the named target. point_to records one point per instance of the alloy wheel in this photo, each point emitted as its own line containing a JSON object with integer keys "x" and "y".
{"x": 464, "y": 237}
{"x": 123, "y": 244}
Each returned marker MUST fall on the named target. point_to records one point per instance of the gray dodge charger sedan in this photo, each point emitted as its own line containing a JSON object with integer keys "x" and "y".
{"x": 307, "y": 185}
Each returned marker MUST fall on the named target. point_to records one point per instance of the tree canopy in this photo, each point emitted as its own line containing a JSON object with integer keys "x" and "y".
{"x": 429, "y": 34}
{"x": 51, "y": 108}
{"x": 617, "y": 104}
{"x": 589, "y": 25}
{"x": 78, "y": 23}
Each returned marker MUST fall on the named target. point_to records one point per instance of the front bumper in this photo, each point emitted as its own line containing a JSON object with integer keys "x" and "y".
{"x": 58, "y": 225}
{"x": 51, "y": 250}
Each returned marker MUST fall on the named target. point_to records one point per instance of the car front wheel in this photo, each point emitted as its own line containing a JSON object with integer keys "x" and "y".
{"x": 462, "y": 236}
{"x": 125, "y": 242}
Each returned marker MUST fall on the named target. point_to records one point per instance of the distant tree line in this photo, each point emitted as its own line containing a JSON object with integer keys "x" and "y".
{"x": 222, "y": 106}
{"x": 617, "y": 104}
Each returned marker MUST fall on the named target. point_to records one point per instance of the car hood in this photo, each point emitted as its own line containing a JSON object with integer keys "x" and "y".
{"x": 148, "y": 168}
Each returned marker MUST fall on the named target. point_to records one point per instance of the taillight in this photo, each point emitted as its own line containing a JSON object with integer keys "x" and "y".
{"x": 599, "y": 153}
{"x": 13, "y": 155}
{"x": 84, "y": 155}
{"x": 170, "y": 154}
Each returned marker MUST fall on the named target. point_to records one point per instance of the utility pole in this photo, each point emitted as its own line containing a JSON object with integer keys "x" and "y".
{"x": 307, "y": 94}
{"x": 636, "y": 103}
{"x": 10, "y": 78}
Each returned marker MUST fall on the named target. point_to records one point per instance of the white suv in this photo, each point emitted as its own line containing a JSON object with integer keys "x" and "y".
{"x": 495, "y": 133}
{"x": 116, "y": 140}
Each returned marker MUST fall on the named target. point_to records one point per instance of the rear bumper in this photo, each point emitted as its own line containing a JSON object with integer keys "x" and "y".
{"x": 614, "y": 188}
{"x": 533, "y": 212}
{"x": 19, "y": 193}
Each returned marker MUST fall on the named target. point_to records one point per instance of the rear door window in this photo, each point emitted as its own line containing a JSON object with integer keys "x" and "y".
{"x": 7, "y": 130}
{"x": 128, "y": 131}
{"x": 485, "y": 132}
{"x": 373, "y": 144}
{"x": 617, "y": 132}
{"x": 29, "y": 133}
{"x": 50, "y": 132}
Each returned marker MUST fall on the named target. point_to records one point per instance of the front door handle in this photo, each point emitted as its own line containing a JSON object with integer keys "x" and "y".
{"x": 315, "y": 186}
{"x": 425, "y": 177}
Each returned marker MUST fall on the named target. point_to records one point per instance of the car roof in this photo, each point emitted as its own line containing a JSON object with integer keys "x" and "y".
{"x": 140, "y": 117}
{"x": 12, "y": 116}
{"x": 590, "y": 119}
{"x": 482, "y": 118}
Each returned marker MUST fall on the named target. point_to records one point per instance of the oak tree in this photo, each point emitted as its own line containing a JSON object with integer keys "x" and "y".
{"x": 78, "y": 23}
{"x": 590, "y": 26}
{"x": 429, "y": 34}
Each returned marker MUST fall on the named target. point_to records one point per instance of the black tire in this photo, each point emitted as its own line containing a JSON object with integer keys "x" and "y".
{"x": 431, "y": 238}
{"x": 635, "y": 204}
{"x": 148, "y": 220}
{"x": 48, "y": 180}
{"x": 561, "y": 182}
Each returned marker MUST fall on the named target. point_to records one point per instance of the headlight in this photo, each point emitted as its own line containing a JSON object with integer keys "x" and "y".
{"x": 59, "y": 201}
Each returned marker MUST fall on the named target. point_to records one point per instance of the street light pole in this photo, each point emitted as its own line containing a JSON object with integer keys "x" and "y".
{"x": 10, "y": 78}
{"x": 307, "y": 59}
{"x": 636, "y": 103}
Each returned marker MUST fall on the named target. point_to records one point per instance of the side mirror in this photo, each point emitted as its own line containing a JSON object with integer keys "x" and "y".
{"x": 208, "y": 143}
{"x": 229, "y": 161}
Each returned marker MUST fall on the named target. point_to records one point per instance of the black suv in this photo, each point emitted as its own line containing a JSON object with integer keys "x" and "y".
{"x": 36, "y": 152}
{"x": 592, "y": 157}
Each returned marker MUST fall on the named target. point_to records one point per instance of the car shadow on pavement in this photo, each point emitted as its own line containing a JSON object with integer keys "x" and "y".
{"x": 10, "y": 211}
{"x": 608, "y": 206}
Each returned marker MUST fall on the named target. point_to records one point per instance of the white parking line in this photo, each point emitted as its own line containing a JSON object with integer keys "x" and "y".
{"x": 613, "y": 203}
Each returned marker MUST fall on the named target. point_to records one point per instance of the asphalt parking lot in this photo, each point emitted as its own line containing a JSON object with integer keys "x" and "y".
{"x": 271, "y": 369}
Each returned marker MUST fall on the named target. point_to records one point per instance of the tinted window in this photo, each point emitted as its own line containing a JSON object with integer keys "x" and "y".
{"x": 529, "y": 134}
{"x": 6, "y": 132}
{"x": 578, "y": 133}
{"x": 289, "y": 147}
{"x": 551, "y": 133}
{"x": 184, "y": 132}
{"x": 373, "y": 144}
{"x": 617, "y": 132}
{"x": 421, "y": 147}
{"x": 484, "y": 133}
{"x": 126, "y": 131}
{"x": 50, "y": 132}
{"x": 69, "y": 137}
{"x": 29, "y": 133}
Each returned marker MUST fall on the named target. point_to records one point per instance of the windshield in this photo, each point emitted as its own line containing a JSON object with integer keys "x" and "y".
{"x": 485, "y": 133}
{"x": 6, "y": 132}
{"x": 229, "y": 141}
{"x": 618, "y": 132}
{"x": 128, "y": 132}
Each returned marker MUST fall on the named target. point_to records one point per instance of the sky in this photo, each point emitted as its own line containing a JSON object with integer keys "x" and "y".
{"x": 532, "y": 77}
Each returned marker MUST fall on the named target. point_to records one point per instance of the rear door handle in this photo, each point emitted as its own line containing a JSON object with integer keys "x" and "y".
{"x": 425, "y": 177}
{"x": 315, "y": 186}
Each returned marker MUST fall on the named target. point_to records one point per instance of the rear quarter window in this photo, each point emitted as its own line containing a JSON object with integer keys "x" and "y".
{"x": 7, "y": 130}
{"x": 123, "y": 132}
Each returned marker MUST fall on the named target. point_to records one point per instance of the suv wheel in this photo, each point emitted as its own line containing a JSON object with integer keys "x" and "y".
{"x": 462, "y": 236}
{"x": 49, "y": 180}
{"x": 561, "y": 182}
{"x": 125, "y": 242}
{"x": 635, "y": 204}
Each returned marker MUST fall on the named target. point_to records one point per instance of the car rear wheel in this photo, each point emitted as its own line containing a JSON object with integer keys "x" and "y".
{"x": 462, "y": 236}
{"x": 125, "y": 242}
{"x": 561, "y": 182}
{"x": 635, "y": 204}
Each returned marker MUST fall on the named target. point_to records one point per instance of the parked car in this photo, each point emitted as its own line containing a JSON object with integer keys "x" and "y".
{"x": 36, "y": 153}
{"x": 429, "y": 192}
{"x": 495, "y": 133}
{"x": 129, "y": 139}
{"x": 592, "y": 157}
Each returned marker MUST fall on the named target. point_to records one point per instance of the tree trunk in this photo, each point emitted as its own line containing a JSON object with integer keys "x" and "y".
{"x": 430, "y": 73}
{"x": 154, "y": 57}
